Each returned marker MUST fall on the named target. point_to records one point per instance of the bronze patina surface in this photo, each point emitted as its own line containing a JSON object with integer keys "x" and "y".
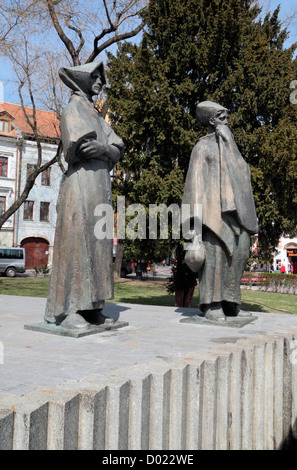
{"x": 218, "y": 179}
{"x": 82, "y": 274}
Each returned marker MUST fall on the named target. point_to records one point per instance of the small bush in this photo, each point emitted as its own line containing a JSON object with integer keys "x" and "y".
{"x": 275, "y": 282}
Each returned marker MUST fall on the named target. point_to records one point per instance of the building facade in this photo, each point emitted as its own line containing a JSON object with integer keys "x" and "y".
{"x": 32, "y": 226}
{"x": 286, "y": 255}
{"x": 8, "y": 185}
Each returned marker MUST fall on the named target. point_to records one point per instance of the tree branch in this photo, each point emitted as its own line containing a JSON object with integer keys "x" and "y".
{"x": 33, "y": 125}
{"x": 20, "y": 14}
{"x": 68, "y": 43}
{"x": 79, "y": 33}
{"x": 117, "y": 38}
{"x": 107, "y": 13}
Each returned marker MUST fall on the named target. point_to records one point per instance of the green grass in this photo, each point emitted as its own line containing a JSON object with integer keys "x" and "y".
{"x": 143, "y": 292}
{"x": 26, "y": 286}
{"x": 153, "y": 293}
{"x": 258, "y": 301}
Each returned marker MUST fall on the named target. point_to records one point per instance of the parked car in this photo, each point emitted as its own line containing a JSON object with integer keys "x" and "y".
{"x": 12, "y": 260}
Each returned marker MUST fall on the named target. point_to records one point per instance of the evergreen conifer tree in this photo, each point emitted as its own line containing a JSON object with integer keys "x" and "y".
{"x": 219, "y": 50}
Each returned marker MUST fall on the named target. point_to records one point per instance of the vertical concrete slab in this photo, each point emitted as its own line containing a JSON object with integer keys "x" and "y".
{"x": 278, "y": 391}
{"x": 207, "y": 406}
{"x": 223, "y": 375}
{"x": 247, "y": 398}
{"x": 90, "y": 419}
{"x": 63, "y": 421}
{"x": 149, "y": 410}
{"x": 146, "y": 413}
{"x": 139, "y": 412}
{"x": 30, "y": 420}
{"x": 178, "y": 406}
{"x": 193, "y": 401}
{"x": 117, "y": 416}
{"x": 159, "y": 409}
{"x": 6, "y": 428}
{"x": 124, "y": 396}
{"x": 235, "y": 390}
{"x": 293, "y": 359}
{"x": 258, "y": 407}
{"x": 30, "y": 427}
{"x": 184, "y": 406}
{"x": 287, "y": 380}
{"x": 166, "y": 409}
{"x": 99, "y": 420}
{"x": 135, "y": 414}
{"x": 269, "y": 395}
{"x": 91, "y": 411}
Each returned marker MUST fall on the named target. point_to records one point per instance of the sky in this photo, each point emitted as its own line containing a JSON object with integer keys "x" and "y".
{"x": 9, "y": 86}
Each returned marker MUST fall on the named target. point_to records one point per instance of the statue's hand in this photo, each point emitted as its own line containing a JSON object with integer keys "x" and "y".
{"x": 93, "y": 149}
{"x": 113, "y": 153}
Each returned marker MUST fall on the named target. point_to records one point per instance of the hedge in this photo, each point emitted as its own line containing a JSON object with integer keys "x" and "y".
{"x": 271, "y": 282}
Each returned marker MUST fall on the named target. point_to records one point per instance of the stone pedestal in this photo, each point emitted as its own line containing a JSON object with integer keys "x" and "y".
{"x": 74, "y": 332}
{"x": 233, "y": 322}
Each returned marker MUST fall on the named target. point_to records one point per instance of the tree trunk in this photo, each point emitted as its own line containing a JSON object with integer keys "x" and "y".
{"x": 183, "y": 297}
{"x": 118, "y": 262}
{"x": 179, "y": 297}
{"x": 188, "y": 297}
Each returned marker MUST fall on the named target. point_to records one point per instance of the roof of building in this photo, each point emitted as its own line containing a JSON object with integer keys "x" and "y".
{"x": 47, "y": 122}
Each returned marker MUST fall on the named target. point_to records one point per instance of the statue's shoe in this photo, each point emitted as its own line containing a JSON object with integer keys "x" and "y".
{"x": 215, "y": 314}
{"x": 75, "y": 320}
{"x": 242, "y": 313}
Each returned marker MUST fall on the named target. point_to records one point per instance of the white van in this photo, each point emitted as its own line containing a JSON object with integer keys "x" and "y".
{"x": 12, "y": 260}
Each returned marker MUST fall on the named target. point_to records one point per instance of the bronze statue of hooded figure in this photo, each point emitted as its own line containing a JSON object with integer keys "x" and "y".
{"x": 218, "y": 178}
{"x": 82, "y": 273}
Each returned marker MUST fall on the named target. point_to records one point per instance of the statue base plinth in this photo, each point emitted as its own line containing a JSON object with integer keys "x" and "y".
{"x": 53, "y": 329}
{"x": 231, "y": 322}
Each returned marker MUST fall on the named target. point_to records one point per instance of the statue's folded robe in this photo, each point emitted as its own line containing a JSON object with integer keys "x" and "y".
{"x": 79, "y": 279}
{"x": 218, "y": 178}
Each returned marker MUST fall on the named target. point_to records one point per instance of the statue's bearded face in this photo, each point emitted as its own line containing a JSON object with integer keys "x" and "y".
{"x": 220, "y": 118}
{"x": 96, "y": 83}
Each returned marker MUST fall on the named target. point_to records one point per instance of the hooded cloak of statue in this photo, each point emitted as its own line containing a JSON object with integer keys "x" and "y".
{"x": 82, "y": 274}
{"x": 218, "y": 178}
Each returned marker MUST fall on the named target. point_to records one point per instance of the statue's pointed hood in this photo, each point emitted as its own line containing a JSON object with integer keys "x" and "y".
{"x": 78, "y": 78}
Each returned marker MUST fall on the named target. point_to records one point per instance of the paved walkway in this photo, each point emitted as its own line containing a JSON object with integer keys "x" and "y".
{"x": 33, "y": 359}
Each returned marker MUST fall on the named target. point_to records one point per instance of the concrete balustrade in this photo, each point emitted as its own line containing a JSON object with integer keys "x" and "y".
{"x": 236, "y": 396}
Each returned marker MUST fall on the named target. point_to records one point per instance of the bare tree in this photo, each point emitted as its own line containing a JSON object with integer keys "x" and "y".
{"x": 39, "y": 36}
{"x": 23, "y": 65}
{"x": 11, "y": 16}
{"x": 117, "y": 13}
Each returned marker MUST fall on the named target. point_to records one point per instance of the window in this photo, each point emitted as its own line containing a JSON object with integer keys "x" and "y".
{"x": 30, "y": 168}
{"x": 11, "y": 253}
{"x": 46, "y": 177}
{"x": 28, "y": 210}
{"x": 44, "y": 211}
{"x": 5, "y": 126}
{"x": 2, "y": 204}
{"x": 3, "y": 166}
